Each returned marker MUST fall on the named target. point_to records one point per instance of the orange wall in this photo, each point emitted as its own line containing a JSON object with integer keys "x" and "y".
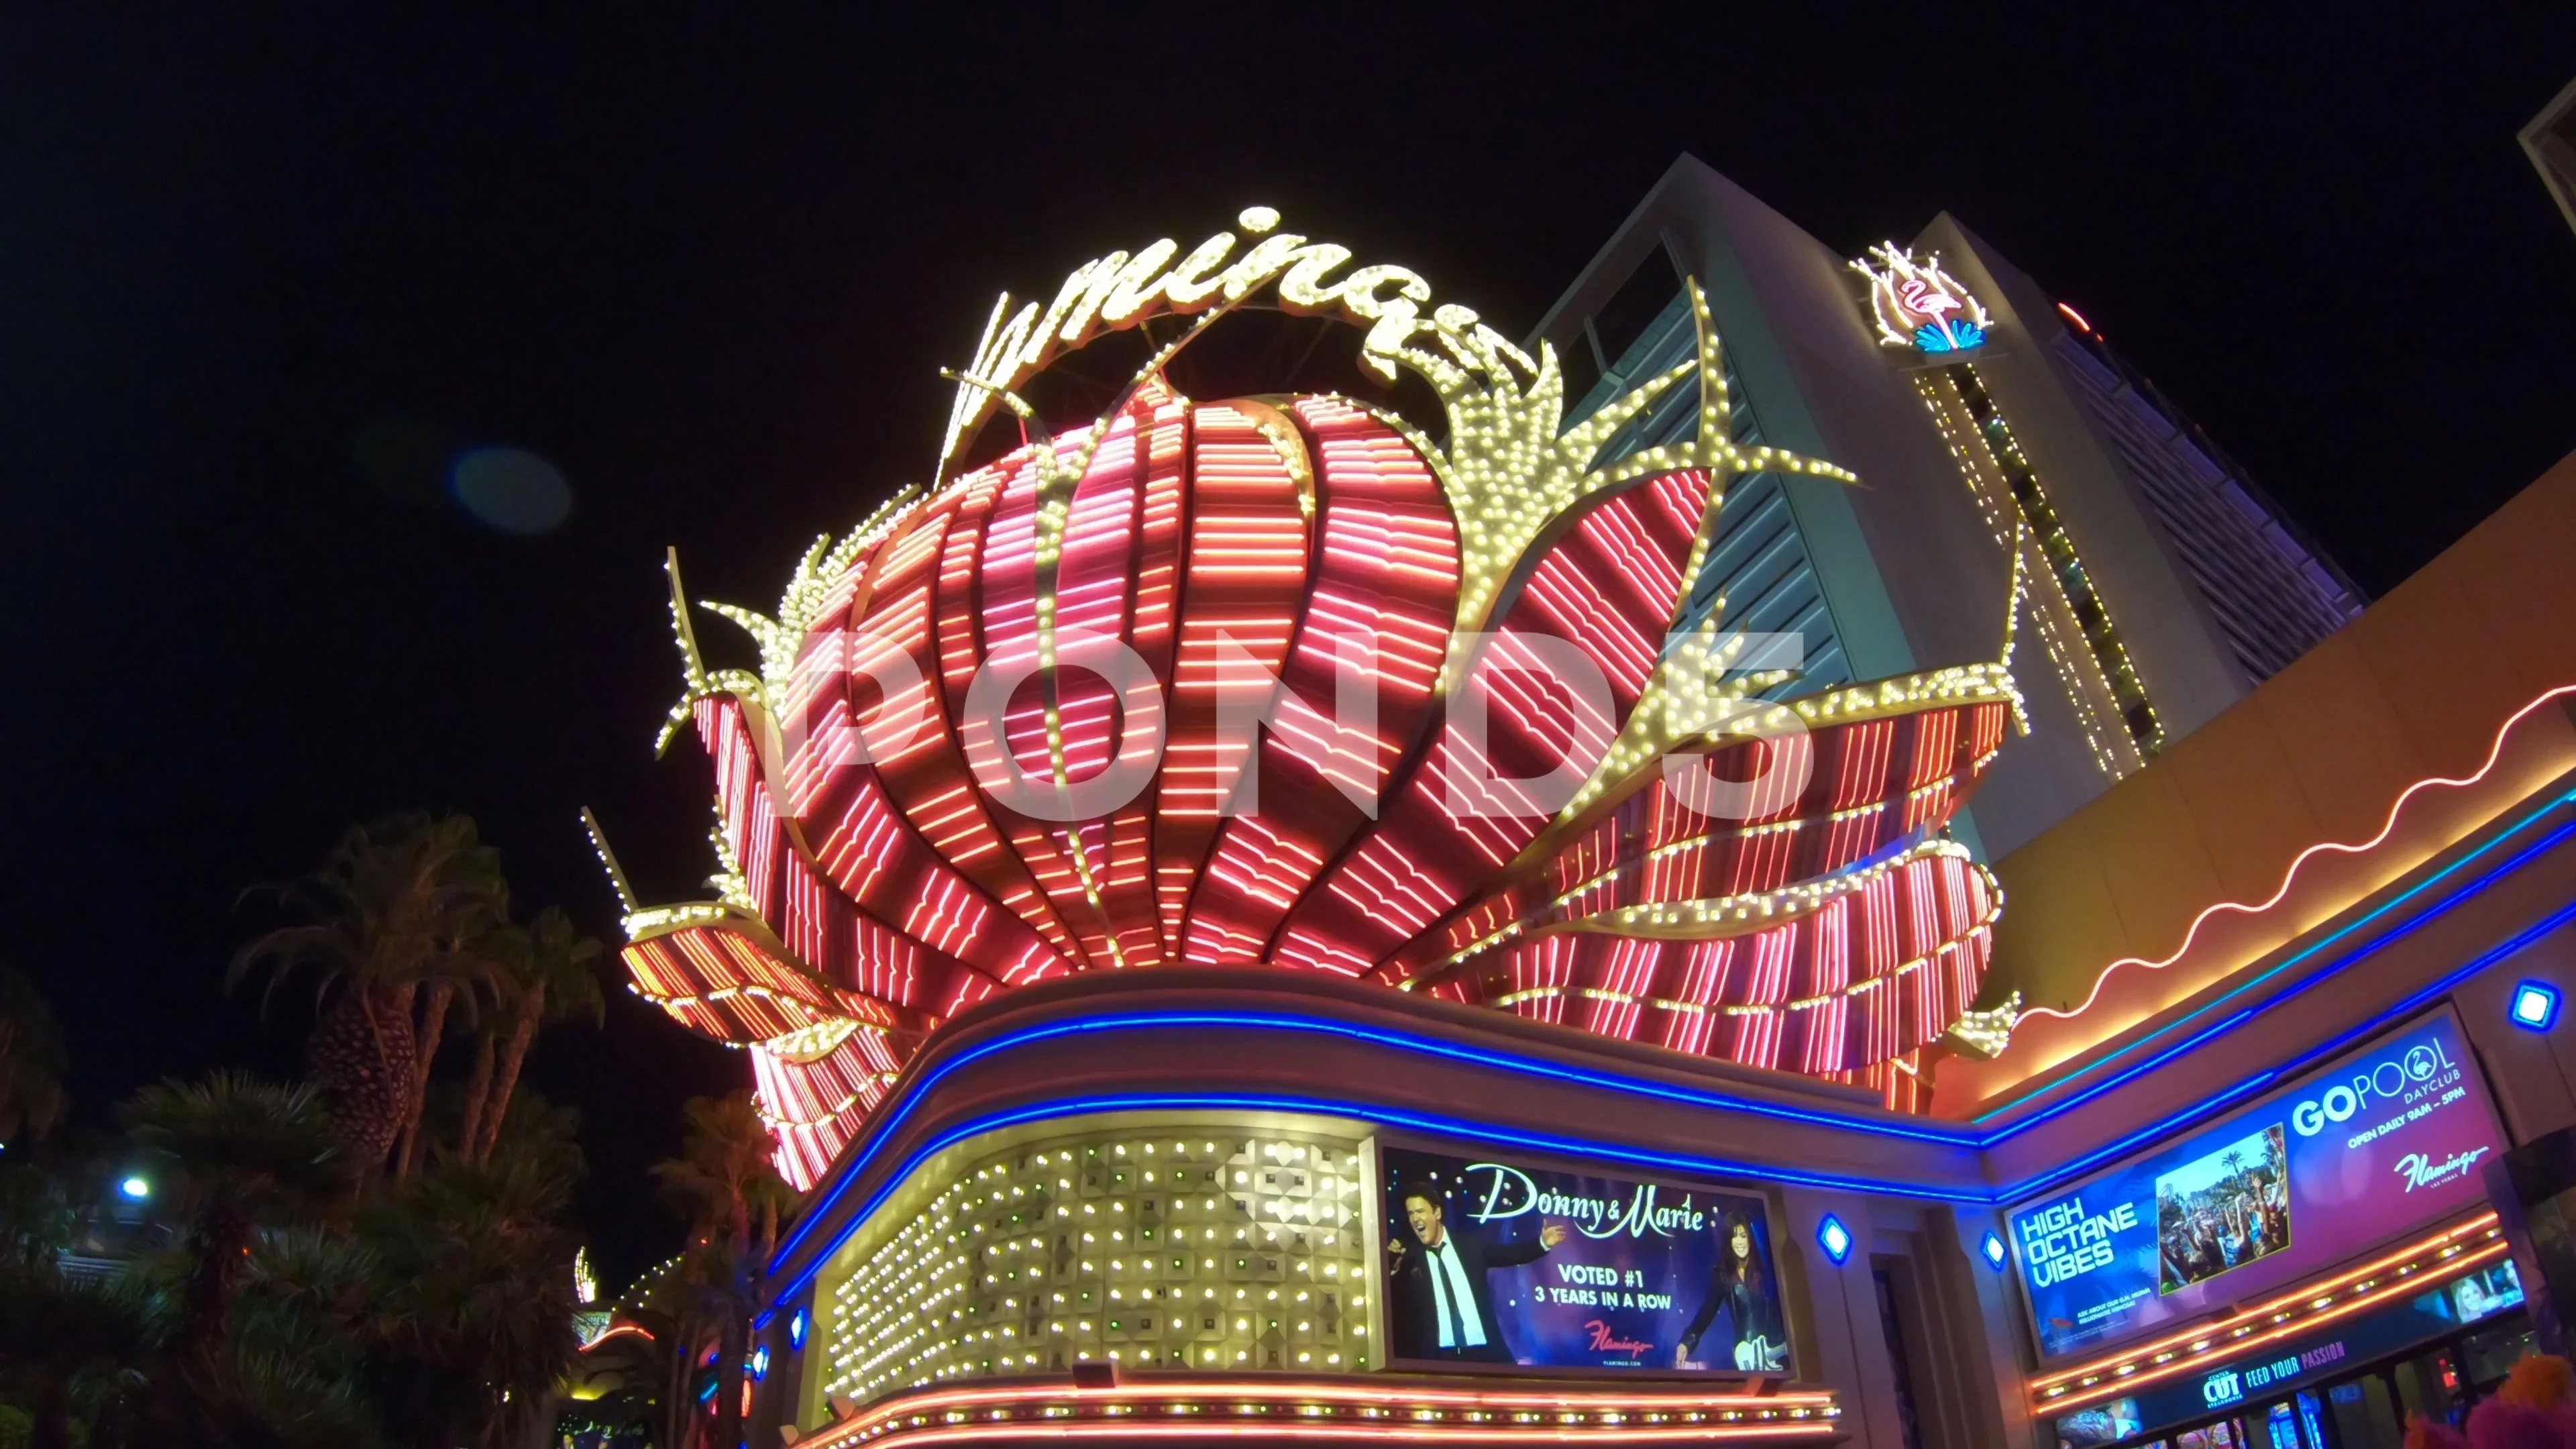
{"x": 2418, "y": 686}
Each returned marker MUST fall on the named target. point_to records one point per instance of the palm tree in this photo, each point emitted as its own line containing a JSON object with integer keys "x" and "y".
{"x": 632, "y": 1375}
{"x": 471, "y": 1318}
{"x": 461, "y": 978}
{"x": 36, "y": 1217}
{"x": 254, "y": 1397}
{"x": 725, "y": 1177}
{"x": 443, "y": 1301}
{"x": 668, "y": 1315}
{"x": 240, "y": 1154}
{"x": 31, "y": 1060}
{"x": 478, "y": 1086}
{"x": 395, "y": 905}
{"x": 551, "y": 974}
{"x": 70, "y": 1350}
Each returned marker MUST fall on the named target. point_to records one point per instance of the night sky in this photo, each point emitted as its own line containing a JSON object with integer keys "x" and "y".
{"x": 261, "y": 285}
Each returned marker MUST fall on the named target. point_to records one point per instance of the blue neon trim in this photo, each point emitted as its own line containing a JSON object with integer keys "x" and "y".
{"x": 1450, "y": 1127}
{"x": 1941, "y": 1134}
{"x": 2519, "y": 860}
{"x": 2243, "y": 1014}
{"x": 2425, "y": 996}
{"x": 1948, "y": 1136}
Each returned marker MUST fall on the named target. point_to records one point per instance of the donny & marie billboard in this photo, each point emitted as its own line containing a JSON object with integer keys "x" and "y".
{"x": 2388, "y": 1138}
{"x": 1506, "y": 1263}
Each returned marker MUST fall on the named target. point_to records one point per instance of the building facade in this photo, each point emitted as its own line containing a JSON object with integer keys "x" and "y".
{"x": 1269, "y": 913}
{"x": 2550, "y": 142}
{"x": 2163, "y": 584}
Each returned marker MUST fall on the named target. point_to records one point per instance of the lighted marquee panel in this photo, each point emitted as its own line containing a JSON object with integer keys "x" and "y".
{"x": 867, "y": 896}
{"x": 1169, "y": 1247}
{"x": 2394, "y": 1276}
{"x": 1416, "y": 1410}
{"x": 1918, "y": 305}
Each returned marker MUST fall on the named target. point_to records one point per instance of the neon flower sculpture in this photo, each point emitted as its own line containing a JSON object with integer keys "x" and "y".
{"x": 1917, "y": 304}
{"x": 908, "y": 822}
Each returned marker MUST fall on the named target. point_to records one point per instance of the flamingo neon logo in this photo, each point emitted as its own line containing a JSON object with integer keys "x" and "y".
{"x": 1916, "y": 304}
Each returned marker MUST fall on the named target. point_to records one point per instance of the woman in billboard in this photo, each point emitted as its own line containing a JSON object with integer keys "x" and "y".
{"x": 1739, "y": 1283}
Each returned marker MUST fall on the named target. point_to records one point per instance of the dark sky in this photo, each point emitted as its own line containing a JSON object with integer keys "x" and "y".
{"x": 709, "y": 270}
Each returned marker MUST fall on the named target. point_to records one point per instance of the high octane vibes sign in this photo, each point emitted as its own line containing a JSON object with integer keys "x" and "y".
{"x": 2388, "y": 1137}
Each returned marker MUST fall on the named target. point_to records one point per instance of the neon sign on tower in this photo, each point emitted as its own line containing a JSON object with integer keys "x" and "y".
{"x": 1392, "y": 709}
{"x": 1916, "y": 304}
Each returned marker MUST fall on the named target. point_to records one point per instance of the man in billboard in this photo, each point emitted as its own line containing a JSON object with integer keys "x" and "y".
{"x": 1444, "y": 1307}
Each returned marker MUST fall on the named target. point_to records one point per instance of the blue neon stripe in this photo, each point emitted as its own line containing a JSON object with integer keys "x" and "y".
{"x": 2492, "y": 842}
{"x": 1449, "y": 1127}
{"x": 1961, "y": 1137}
{"x": 1458, "y": 1128}
{"x": 1942, "y": 1134}
{"x": 2407, "y": 928}
{"x": 2425, "y": 996}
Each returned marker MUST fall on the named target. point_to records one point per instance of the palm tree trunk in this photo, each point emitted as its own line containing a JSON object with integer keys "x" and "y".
{"x": 478, "y": 1090}
{"x": 733, "y": 1347}
{"x": 675, "y": 1398}
{"x": 433, "y": 1025}
{"x": 376, "y": 1016}
{"x": 522, "y": 1032}
{"x": 222, "y": 1241}
{"x": 54, "y": 1414}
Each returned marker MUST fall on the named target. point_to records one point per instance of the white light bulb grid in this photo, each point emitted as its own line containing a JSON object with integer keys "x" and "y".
{"x": 1227, "y": 1252}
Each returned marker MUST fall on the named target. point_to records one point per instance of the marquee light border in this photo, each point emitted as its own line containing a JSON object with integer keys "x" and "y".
{"x": 1199, "y": 1408}
{"x": 1429, "y": 1123}
{"x": 2471, "y": 1243}
{"x": 1516, "y": 481}
{"x": 883, "y": 1123}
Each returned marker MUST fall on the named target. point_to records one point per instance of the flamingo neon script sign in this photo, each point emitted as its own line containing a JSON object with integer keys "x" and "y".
{"x": 1916, "y": 304}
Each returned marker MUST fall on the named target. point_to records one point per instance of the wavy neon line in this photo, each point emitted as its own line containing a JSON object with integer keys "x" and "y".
{"x": 2290, "y": 877}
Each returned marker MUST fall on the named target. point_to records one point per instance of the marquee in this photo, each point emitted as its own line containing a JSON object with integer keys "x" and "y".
{"x": 1286, "y": 682}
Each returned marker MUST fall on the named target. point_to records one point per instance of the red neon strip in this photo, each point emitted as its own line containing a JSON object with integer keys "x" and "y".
{"x": 1356, "y": 1393}
{"x": 2077, "y": 318}
{"x": 1273, "y": 1426}
{"x": 1220, "y": 1396}
{"x": 2494, "y": 754}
